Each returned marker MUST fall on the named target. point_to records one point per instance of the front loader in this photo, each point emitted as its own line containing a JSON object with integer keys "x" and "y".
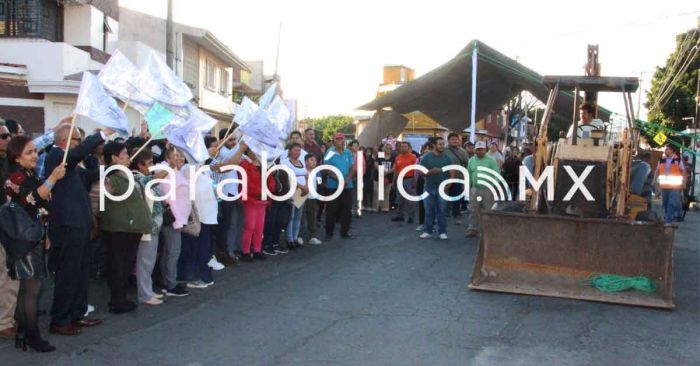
{"x": 553, "y": 247}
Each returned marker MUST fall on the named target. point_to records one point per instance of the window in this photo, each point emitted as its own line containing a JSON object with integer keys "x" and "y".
{"x": 224, "y": 87}
{"x": 31, "y": 19}
{"x": 211, "y": 75}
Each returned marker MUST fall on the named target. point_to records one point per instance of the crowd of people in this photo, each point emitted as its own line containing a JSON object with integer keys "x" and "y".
{"x": 208, "y": 222}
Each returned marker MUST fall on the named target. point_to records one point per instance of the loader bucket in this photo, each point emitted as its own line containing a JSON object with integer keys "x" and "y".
{"x": 555, "y": 255}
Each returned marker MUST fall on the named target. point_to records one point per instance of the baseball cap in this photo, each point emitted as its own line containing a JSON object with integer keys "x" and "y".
{"x": 480, "y": 145}
{"x": 339, "y": 135}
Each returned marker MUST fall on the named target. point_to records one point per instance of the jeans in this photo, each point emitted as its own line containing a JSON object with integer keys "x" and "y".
{"x": 671, "y": 203}
{"x": 194, "y": 257}
{"x": 230, "y": 229}
{"x": 339, "y": 210}
{"x": 309, "y": 218}
{"x": 295, "y": 223}
{"x": 476, "y": 206}
{"x": 8, "y": 295}
{"x": 406, "y": 208}
{"x": 276, "y": 219}
{"x": 172, "y": 246}
{"x": 145, "y": 262}
{"x": 435, "y": 206}
{"x": 455, "y": 206}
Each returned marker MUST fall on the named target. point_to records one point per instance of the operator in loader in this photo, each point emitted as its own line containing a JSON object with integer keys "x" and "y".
{"x": 586, "y": 123}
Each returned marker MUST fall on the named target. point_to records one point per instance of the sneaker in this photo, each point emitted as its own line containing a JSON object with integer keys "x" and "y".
{"x": 347, "y": 237}
{"x": 420, "y": 228}
{"x": 259, "y": 256}
{"x": 208, "y": 284}
{"x": 279, "y": 250}
{"x": 443, "y": 236}
{"x": 425, "y": 236}
{"x": 177, "y": 291}
{"x": 315, "y": 241}
{"x": 89, "y": 310}
{"x": 472, "y": 233}
{"x": 269, "y": 251}
{"x": 196, "y": 284}
{"x": 153, "y": 301}
{"x": 158, "y": 296}
{"x": 300, "y": 241}
{"x": 292, "y": 245}
{"x": 215, "y": 264}
{"x": 247, "y": 257}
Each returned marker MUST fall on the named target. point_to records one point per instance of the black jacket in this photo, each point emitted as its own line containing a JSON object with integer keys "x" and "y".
{"x": 70, "y": 205}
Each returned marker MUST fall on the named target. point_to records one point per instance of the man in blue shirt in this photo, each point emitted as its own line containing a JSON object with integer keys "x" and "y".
{"x": 339, "y": 209}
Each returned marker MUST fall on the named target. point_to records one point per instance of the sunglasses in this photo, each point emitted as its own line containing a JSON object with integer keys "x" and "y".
{"x": 5, "y": 136}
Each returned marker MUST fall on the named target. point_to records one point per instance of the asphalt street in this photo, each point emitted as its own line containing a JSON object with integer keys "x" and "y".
{"x": 384, "y": 298}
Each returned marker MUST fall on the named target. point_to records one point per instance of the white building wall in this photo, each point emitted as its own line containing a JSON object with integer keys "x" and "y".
{"x": 84, "y": 26}
{"x": 64, "y": 58}
{"x": 212, "y": 99}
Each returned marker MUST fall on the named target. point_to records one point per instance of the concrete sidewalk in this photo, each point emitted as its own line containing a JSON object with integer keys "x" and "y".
{"x": 384, "y": 298}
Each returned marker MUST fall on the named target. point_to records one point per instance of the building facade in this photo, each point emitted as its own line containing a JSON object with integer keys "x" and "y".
{"x": 46, "y": 45}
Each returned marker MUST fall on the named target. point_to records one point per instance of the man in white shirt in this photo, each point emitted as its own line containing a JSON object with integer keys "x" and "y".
{"x": 586, "y": 123}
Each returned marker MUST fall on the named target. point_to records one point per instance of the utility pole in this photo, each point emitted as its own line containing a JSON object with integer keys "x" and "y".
{"x": 695, "y": 136}
{"x": 277, "y": 57}
{"x": 169, "y": 57}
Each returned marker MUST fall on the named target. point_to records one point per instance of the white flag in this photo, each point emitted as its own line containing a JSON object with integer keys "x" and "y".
{"x": 244, "y": 111}
{"x": 258, "y": 147}
{"x": 266, "y": 98}
{"x": 279, "y": 114}
{"x": 159, "y": 82}
{"x": 194, "y": 116}
{"x": 188, "y": 139}
{"x": 96, "y": 104}
{"x": 202, "y": 121}
{"x": 118, "y": 76}
{"x": 262, "y": 128}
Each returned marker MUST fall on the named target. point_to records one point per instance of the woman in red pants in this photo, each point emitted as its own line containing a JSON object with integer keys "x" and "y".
{"x": 254, "y": 206}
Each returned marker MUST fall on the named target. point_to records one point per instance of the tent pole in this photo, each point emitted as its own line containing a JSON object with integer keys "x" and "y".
{"x": 472, "y": 128}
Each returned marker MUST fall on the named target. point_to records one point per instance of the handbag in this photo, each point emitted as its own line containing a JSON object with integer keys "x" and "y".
{"x": 194, "y": 226}
{"x": 19, "y": 232}
{"x": 168, "y": 217}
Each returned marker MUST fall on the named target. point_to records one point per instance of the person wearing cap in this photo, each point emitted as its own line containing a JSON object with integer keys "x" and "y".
{"x": 480, "y": 196}
{"x": 339, "y": 209}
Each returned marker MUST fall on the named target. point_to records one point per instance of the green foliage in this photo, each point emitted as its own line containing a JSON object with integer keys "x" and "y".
{"x": 328, "y": 125}
{"x": 680, "y": 102}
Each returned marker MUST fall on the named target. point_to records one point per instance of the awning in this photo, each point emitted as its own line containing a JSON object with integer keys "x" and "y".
{"x": 444, "y": 94}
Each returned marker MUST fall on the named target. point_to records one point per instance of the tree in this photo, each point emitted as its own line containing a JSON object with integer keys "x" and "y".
{"x": 673, "y": 87}
{"x": 329, "y": 125}
{"x": 523, "y": 104}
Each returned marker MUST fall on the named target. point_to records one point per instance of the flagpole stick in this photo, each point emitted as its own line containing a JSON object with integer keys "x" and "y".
{"x": 70, "y": 137}
{"x": 126, "y": 103}
{"x": 141, "y": 148}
